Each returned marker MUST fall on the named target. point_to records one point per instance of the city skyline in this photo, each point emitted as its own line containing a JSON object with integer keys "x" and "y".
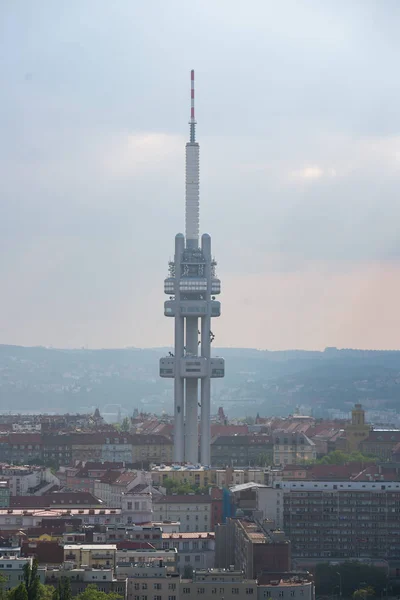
{"x": 301, "y": 145}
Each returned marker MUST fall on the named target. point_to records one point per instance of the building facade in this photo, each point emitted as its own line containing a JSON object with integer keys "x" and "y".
{"x": 192, "y": 511}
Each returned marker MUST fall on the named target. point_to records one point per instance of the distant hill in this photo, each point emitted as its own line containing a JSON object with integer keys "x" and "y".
{"x": 59, "y": 380}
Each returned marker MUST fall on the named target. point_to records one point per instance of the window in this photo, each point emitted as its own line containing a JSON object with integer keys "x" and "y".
{"x": 197, "y": 558}
{"x": 281, "y": 594}
{"x": 235, "y": 590}
{"x": 144, "y": 586}
{"x": 200, "y": 590}
{"x": 157, "y": 597}
{"x": 187, "y": 558}
{"x": 129, "y": 505}
{"x": 157, "y": 586}
{"x": 171, "y": 597}
{"x": 137, "y": 586}
{"x": 186, "y": 590}
{"x": 249, "y": 590}
{"x": 172, "y": 586}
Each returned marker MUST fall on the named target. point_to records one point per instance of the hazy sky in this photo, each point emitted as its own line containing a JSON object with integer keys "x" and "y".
{"x": 298, "y": 110}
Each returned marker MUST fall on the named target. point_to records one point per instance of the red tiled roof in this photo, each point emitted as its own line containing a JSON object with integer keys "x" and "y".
{"x": 384, "y": 436}
{"x": 45, "y": 552}
{"x": 128, "y": 545}
{"x": 59, "y": 499}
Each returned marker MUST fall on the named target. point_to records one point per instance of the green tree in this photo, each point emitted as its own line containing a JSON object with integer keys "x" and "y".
{"x": 46, "y": 592}
{"x": 348, "y": 576}
{"x": 63, "y": 590}
{"x": 31, "y": 580}
{"x": 337, "y": 457}
{"x": 364, "y": 593}
{"x": 264, "y": 459}
{"x": 125, "y": 425}
{"x": 92, "y": 592}
{"x": 18, "y": 593}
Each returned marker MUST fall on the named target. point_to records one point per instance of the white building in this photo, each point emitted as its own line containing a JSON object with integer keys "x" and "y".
{"x": 25, "y": 481}
{"x": 196, "y": 550}
{"x": 12, "y": 569}
{"x": 193, "y": 511}
{"x": 286, "y": 587}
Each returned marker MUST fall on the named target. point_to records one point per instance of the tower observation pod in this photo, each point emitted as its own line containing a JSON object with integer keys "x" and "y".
{"x": 192, "y": 285}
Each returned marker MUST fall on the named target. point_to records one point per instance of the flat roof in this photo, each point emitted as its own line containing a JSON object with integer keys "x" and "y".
{"x": 90, "y": 547}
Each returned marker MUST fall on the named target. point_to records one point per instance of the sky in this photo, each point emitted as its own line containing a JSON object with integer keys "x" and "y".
{"x": 298, "y": 110}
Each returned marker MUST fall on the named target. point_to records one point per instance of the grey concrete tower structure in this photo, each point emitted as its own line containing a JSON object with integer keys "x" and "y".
{"x": 192, "y": 286}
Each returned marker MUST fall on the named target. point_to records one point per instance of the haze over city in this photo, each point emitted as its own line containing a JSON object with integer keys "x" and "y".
{"x": 298, "y": 121}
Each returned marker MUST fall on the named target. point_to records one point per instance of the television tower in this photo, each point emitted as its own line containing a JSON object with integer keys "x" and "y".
{"x": 192, "y": 286}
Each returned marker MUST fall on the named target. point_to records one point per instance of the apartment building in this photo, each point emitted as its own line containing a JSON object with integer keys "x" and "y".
{"x": 196, "y": 550}
{"x": 150, "y": 581}
{"x": 193, "y": 511}
{"x": 140, "y": 534}
{"x": 293, "y": 448}
{"x": 222, "y": 583}
{"x": 240, "y": 450}
{"x": 251, "y": 547}
{"x": 151, "y": 449}
{"x": 285, "y": 586}
{"x": 91, "y": 555}
{"x": 199, "y": 476}
{"x": 12, "y": 570}
{"x": 338, "y": 520}
{"x": 26, "y": 480}
{"x": 79, "y": 579}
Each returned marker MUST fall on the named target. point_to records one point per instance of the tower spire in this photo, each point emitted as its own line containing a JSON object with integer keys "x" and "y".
{"x": 192, "y": 121}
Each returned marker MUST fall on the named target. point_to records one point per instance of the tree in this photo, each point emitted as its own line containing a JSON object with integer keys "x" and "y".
{"x": 46, "y": 592}
{"x": 364, "y": 593}
{"x": 337, "y": 457}
{"x": 63, "y": 590}
{"x": 31, "y": 580}
{"x": 348, "y": 576}
{"x": 125, "y": 425}
{"x": 92, "y": 592}
{"x": 18, "y": 593}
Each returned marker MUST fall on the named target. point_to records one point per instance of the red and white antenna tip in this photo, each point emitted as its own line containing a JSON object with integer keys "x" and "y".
{"x": 192, "y": 95}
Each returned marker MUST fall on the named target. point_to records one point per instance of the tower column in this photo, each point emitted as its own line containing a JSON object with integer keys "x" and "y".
{"x": 179, "y": 414}
{"x": 191, "y": 433}
{"x": 205, "y": 419}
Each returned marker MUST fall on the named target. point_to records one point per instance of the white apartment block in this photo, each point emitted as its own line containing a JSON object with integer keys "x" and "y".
{"x": 192, "y": 511}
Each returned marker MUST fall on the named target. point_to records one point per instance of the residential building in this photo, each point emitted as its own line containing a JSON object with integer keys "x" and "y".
{"x": 135, "y": 533}
{"x": 28, "y": 480}
{"x": 196, "y": 550}
{"x": 137, "y": 507}
{"x": 20, "y": 447}
{"x": 241, "y": 450}
{"x": 338, "y": 520}
{"x": 92, "y": 555}
{"x": 150, "y": 581}
{"x": 293, "y": 448}
{"x": 192, "y": 510}
{"x": 221, "y": 583}
{"x": 113, "y": 485}
{"x": 4, "y": 494}
{"x": 79, "y": 579}
{"x": 128, "y": 559}
{"x": 285, "y": 586}
{"x": 380, "y": 443}
{"x": 198, "y": 476}
{"x": 151, "y": 449}
{"x": 251, "y": 547}
{"x": 57, "y": 448}
{"x": 12, "y": 569}
{"x": 19, "y": 518}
